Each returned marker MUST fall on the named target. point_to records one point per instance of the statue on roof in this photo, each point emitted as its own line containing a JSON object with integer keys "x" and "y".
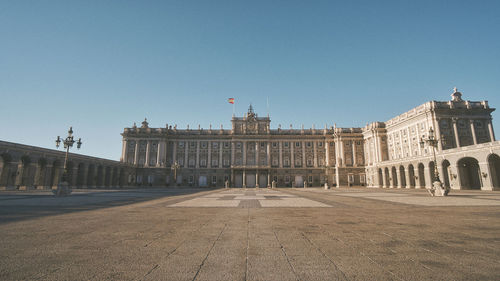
{"x": 145, "y": 123}
{"x": 456, "y": 96}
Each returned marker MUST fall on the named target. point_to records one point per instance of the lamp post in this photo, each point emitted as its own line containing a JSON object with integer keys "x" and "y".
{"x": 437, "y": 186}
{"x": 174, "y": 168}
{"x": 63, "y": 187}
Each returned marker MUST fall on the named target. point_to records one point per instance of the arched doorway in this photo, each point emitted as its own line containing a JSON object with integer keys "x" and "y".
{"x": 468, "y": 173}
{"x": 445, "y": 174}
{"x": 494, "y": 166}
{"x": 394, "y": 177}
{"x": 55, "y": 173}
{"x": 403, "y": 176}
{"x": 380, "y": 178}
{"x": 421, "y": 175}
{"x": 432, "y": 173}
{"x": 411, "y": 176}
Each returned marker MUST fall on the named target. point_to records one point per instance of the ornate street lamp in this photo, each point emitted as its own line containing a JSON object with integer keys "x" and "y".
{"x": 437, "y": 186}
{"x": 63, "y": 187}
{"x": 174, "y": 168}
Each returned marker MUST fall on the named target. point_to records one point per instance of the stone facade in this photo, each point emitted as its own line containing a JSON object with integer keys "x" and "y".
{"x": 250, "y": 154}
{"x": 382, "y": 154}
{"x": 25, "y": 167}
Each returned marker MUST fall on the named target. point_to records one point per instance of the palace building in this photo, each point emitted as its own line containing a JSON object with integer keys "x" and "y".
{"x": 381, "y": 154}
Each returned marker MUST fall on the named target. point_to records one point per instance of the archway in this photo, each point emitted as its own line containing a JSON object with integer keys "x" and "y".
{"x": 394, "y": 177}
{"x": 91, "y": 176}
{"x": 494, "y": 166}
{"x": 380, "y": 178}
{"x": 5, "y": 170}
{"x": 55, "y": 173}
{"x": 99, "y": 177}
{"x": 445, "y": 174}
{"x": 411, "y": 176}
{"x": 403, "y": 176}
{"x": 387, "y": 177}
{"x": 80, "y": 178}
{"x": 421, "y": 175}
{"x": 469, "y": 173}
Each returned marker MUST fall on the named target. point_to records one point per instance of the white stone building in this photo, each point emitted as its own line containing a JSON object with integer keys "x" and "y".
{"x": 382, "y": 154}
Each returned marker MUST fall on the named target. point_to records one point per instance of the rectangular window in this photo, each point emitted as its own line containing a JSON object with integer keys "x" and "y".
{"x": 287, "y": 179}
{"x": 215, "y": 163}
{"x": 275, "y": 144}
{"x": 226, "y": 144}
{"x": 286, "y": 144}
{"x": 309, "y": 162}
{"x": 297, "y": 144}
{"x": 215, "y": 145}
{"x": 309, "y": 144}
{"x": 320, "y": 144}
{"x": 191, "y": 179}
{"x": 192, "y": 144}
{"x": 214, "y": 179}
{"x": 226, "y": 162}
{"x": 309, "y": 179}
{"x": 203, "y": 163}
{"x": 204, "y": 144}
{"x": 286, "y": 162}
{"x": 262, "y": 144}
{"x": 181, "y": 144}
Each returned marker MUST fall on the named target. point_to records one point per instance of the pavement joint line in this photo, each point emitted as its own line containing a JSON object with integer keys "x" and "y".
{"x": 362, "y": 254}
{"x": 286, "y": 256}
{"x": 325, "y": 255}
{"x": 175, "y": 249}
{"x": 248, "y": 243}
{"x": 208, "y": 253}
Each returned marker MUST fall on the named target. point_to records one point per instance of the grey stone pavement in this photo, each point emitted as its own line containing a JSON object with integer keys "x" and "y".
{"x": 250, "y": 234}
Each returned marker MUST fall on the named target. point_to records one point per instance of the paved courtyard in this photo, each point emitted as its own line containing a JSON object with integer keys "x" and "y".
{"x": 250, "y": 234}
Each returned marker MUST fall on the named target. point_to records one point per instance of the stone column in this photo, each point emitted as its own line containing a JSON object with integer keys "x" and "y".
{"x": 268, "y": 156}
{"x": 269, "y": 178}
{"x": 327, "y": 151}
{"x": 292, "y": 154}
{"x": 174, "y": 153}
{"x": 148, "y": 151}
{"x": 232, "y": 155}
{"x": 244, "y": 153}
{"x": 186, "y": 154}
{"x": 19, "y": 174}
{"x": 257, "y": 151}
{"x": 315, "y": 154}
{"x": 221, "y": 145}
{"x": 486, "y": 183}
{"x": 244, "y": 179}
{"x": 280, "y": 145}
{"x": 124, "y": 151}
{"x": 136, "y": 153}
{"x": 472, "y": 128}
{"x": 437, "y": 131}
{"x": 455, "y": 131}
{"x": 410, "y": 149}
{"x": 159, "y": 153}
{"x": 407, "y": 177}
{"x": 427, "y": 177}
{"x": 418, "y": 141}
{"x": 257, "y": 178}
{"x": 303, "y": 154}
{"x": 490, "y": 129}
{"x": 341, "y": 152}
{"x": 197, "y": 163}
{"x": 38, "y": 175}
{"x": 354, "y": 158}
{"x": 209, "y": 156}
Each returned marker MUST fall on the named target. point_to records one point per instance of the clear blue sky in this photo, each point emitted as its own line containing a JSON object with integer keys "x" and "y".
{"x": 99, "y": 66}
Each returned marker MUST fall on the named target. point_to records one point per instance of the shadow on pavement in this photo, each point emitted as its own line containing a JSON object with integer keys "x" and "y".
{"x": 17, "y": 206}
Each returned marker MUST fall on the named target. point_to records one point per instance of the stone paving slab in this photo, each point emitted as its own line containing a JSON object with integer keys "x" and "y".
{"x": 357, "y": 238}
{"x": 264, "y": 198}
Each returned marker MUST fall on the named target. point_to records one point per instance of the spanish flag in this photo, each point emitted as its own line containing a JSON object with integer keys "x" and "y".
{"x": 230, "y": 100}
